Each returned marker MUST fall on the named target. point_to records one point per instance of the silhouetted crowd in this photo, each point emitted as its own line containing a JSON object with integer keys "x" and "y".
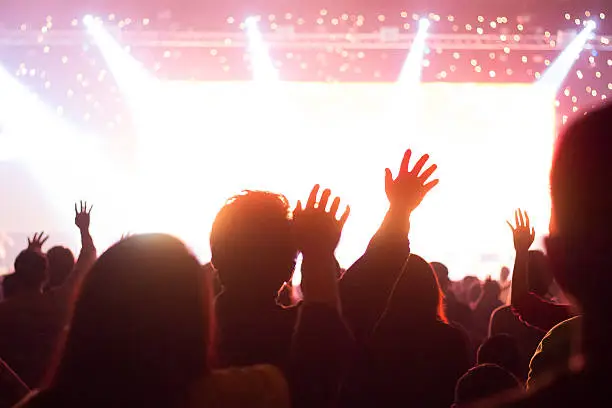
{"x": 145, "y": 324}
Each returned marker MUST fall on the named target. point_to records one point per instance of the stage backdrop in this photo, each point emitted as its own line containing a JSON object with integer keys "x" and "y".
{"x": 200, "y": 143}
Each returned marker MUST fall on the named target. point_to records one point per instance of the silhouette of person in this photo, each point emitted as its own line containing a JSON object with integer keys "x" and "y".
{"x": 578, "y": 252}
{"x": 140, "y": 335}
{"x": 484, "y": 381}
{"x": 411, "y": 337}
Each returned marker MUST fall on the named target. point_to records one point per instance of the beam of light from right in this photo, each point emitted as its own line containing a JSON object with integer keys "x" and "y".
{"x": 556, "y": 73}
{"x": 412, "y": 68}
{"x": 406, "y": 100}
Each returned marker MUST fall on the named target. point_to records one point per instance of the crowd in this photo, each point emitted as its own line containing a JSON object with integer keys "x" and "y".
{"x": 146, "y": 324}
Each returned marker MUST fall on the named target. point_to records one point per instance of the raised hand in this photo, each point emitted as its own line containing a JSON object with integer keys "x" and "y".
{"x": 408, "y": 189}
{"x": 82, "y": 215}
{"x": 316, "y": 230}
{"x": 37, "y": 241}
{"x": 522, "y": 232}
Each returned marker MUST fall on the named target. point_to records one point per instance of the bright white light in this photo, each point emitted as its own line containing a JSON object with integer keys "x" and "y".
{"x": 557, "y": 71}
{"x": 413, "y": 66}
{"x": 88, "y": 19}
{"x": 211, "y": 157}
{"x": 141, "y": 89}
{"x": 67, "y": 162}
{"x": 251, "y": 21}
{"x": 263, "y": 66}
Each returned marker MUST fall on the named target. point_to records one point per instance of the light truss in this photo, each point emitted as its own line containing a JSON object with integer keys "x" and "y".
{"x": 290, "y": 40}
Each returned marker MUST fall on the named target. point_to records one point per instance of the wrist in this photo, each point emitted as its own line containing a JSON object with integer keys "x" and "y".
{"x": 398, "y": 219}
{"x": 522, "y": 251}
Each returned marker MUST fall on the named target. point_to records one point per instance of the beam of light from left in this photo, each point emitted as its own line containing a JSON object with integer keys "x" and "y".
{"x": 556, "y": 73}
{"x": 133, "y": 79}
{"x": 154, "y": 115}
{"x": 67, "y": 163}
{"x": 142, "y": 90}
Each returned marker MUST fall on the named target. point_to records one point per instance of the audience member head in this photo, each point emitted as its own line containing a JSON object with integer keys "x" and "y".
{"x": 416, "y": 295}
{"x": 580, "y": 242}
{"x": 484, "y": 381}
{"x": 31, "y": 270}
{"x": 442, "y": 274}
{"x": 140, "y": 329}
{"x": 251, "y": 244}
{"x": 504, "y": 274}
{"x": 61, "y": 264}
{"x": 501, "y": 350}
{"x": 539, "y": 274}
{"x": 490, "y": 290}
{"x": 474, "y": 291}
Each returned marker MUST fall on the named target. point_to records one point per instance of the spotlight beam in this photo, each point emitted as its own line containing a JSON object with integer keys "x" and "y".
{"x": 67, "y": 162}
{"x": 263, "y": 66}
{"x": 413, "y": 66}
{"x": 556, "y": 73}
{"x": 133, "y": 79}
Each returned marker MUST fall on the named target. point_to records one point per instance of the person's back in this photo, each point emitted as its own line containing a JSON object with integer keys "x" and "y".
{"x": 415, "y": 366}
{"x": 139, "y": 336}
{"x": 484, "y": 381}
{"x": 32, "y": 326}
{"x": 254, "y": 255}
{"x": 251, "y": 334}
{"x": 505, "y": 321}
{"x": 32, "y": 322}
{"x": 413, "y": 358}
{"x": 555, "y": 353}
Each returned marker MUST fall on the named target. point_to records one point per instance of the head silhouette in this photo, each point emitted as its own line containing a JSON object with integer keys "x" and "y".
{"x": 61, "y": 264}
{"x": 484, "y": 381}
{"x": 490, "y": 290}
{"x": 417, "y": 295}
{"x": 251, "y": 244}
{"x": 140, "y": 328}
{"x": 31, "y": 271}
{"x": 442, "y": 274}
{"x": 501, "y": 350}
{"x": 580, "y": 241}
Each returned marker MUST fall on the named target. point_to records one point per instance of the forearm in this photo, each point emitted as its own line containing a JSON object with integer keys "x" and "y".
{"x": 393, "y": 230}
{"x": 319, "y": 279}
{"x": 88, "y": 253}
{"x": 520, "y": 283}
